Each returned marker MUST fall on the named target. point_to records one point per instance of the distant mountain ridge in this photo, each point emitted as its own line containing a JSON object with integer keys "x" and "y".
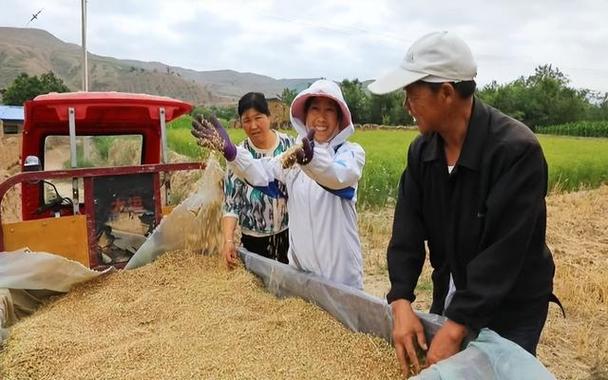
{"x": 36, "y": 51}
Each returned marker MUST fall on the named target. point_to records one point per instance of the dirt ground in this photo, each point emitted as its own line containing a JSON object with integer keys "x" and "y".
{"x": 575, "y": 347}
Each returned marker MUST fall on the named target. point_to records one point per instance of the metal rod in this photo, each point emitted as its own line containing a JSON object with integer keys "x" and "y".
{"x": 163, "y": 136}
{"x": 165, "y": 159}
{"x": 95, "y": 172}
{"x": 72, "y": 129}
{"x": 74, "y": 158}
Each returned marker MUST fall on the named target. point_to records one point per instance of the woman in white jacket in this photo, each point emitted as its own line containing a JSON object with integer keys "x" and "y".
{"x": 321, "y": 190}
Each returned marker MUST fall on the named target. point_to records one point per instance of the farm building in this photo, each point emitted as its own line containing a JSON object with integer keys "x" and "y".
{"x": 279, "y": 113}
{"x": 11, "y": 120}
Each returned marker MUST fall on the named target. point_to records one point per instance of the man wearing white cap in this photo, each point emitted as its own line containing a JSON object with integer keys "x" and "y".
{"x": 474, "y": 189}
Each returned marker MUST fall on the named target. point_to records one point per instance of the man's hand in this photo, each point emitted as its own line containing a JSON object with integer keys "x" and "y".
{"x": 230, "y": 256}
{"x": 407, "y": 334}
{"x": 446, "y": 342}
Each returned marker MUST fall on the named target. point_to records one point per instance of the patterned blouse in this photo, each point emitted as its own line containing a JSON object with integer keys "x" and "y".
{"x": 258, "y": 214}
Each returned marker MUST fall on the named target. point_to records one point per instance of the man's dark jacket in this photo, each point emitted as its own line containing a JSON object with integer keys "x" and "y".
{"x": 484, "y": 223}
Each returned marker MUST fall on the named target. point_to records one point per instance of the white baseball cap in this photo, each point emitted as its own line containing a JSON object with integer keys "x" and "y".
{"x": 436, "y": 57}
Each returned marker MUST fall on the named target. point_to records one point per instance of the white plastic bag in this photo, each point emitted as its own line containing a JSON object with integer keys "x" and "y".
{"x": 489, "y": 357}
{"x": 193, "y": 224}
{"x": 27, "y": 278}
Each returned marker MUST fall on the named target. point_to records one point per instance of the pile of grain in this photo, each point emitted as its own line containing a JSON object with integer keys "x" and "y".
{"x": 184, "y": 317}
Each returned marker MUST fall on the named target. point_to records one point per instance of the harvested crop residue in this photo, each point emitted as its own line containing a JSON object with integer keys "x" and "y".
{"x": 576, "y": 347}
{"x": 9, "y": 166}
{"x": 572, "y": 348}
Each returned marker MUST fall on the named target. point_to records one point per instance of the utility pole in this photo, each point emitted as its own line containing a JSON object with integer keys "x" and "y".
{"x": 85, "y": 73}
{"x": 86, "y": 141}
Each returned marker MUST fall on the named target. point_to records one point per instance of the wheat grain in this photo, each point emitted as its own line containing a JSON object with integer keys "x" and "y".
{"x": 184, "y": 317}
{"x": 289, "y": 157}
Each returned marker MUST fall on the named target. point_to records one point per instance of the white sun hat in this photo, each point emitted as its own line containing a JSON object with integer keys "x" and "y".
{"x": 436, "y": 57}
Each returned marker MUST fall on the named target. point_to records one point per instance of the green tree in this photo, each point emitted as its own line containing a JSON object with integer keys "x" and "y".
{"x": 26, "y": 88}
{"x": 398, "y": 115}
{"x": 223, "y": 113}
{"x": 544, "y": 98}
{"x": 599, "y": 106}
{"x": 357, "y": 100}
{"x": 388, "y": 109}
{"x": 287, "y": 96}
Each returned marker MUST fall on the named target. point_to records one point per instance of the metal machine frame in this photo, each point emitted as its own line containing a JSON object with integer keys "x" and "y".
{"x": 91, "y": 114}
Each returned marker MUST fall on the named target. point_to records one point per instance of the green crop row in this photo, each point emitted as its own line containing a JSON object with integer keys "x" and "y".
{"x": 579, "y": 128}
{"x": 574, "y": 163}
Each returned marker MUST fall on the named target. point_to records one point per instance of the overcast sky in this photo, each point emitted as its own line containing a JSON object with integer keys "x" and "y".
{"x": 335, "y": 39}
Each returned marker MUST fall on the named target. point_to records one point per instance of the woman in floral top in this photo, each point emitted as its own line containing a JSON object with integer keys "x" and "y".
{"x": 263, "y": 220}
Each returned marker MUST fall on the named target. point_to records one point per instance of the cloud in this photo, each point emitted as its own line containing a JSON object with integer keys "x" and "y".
{"x": 333, "y": 38}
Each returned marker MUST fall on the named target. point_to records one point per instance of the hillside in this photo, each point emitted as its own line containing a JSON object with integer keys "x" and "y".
{"x": 36, "y": 51}
{"x": 228, "y": 83}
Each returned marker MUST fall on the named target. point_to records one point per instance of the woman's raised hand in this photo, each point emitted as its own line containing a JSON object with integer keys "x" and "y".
{"x": 209, "y": 133}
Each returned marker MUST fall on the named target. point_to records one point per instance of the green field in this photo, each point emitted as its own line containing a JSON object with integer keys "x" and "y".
{"x": 574, "y": 162}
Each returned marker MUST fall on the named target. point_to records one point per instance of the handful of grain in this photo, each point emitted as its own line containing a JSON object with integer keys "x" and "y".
{"x": 288, "y": 159}
{"x": 212, "y": 139}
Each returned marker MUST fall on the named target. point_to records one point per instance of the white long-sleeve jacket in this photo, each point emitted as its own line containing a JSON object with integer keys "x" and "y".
{"x": 323, "y": 234}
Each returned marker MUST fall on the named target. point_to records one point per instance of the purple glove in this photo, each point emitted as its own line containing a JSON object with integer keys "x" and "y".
{"x": 304, "y": 155}
{"x": 211, "y": 134}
